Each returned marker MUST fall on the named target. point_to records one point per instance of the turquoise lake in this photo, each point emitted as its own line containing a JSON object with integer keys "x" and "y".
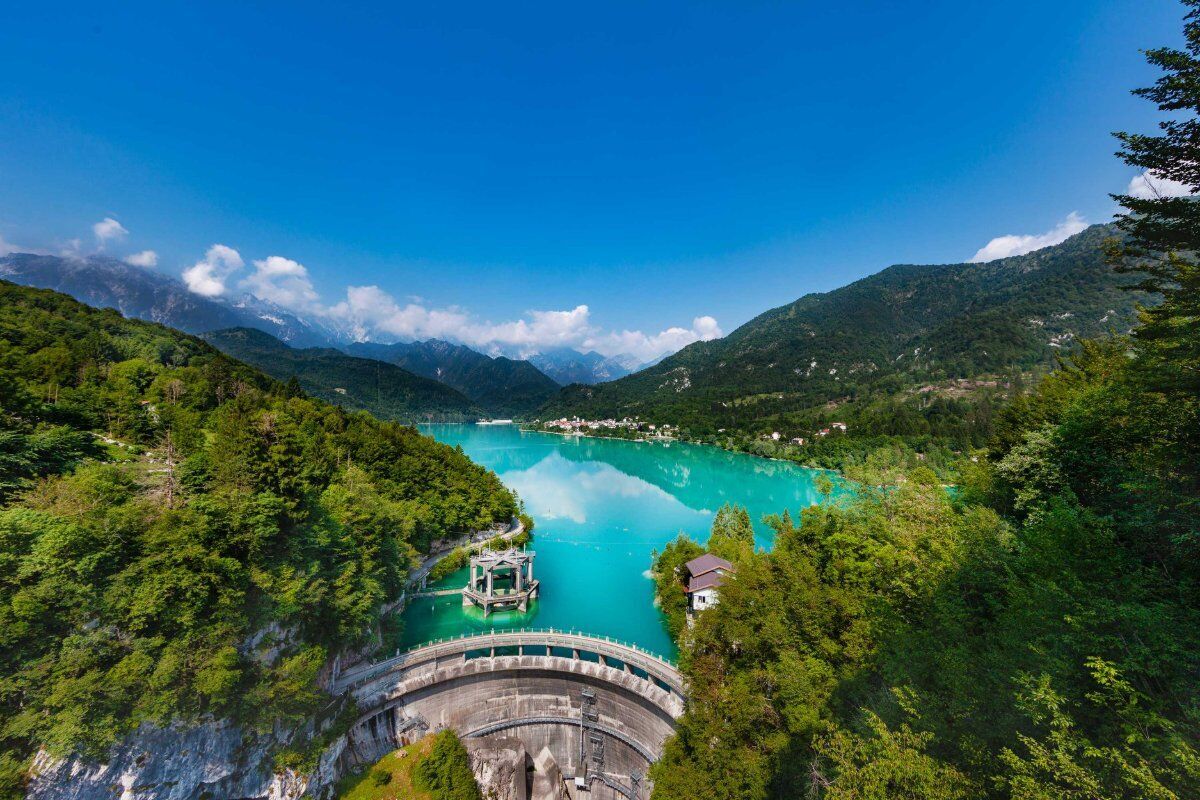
{"x": 601, "y": 506}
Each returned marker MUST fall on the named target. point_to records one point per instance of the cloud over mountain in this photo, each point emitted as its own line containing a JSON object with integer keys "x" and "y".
{"x": 1149, "y": 186}
{"x": 284, "y": 282}
{"x": 370, "y": 313}
{"x": 108, "y": 229}
{"x": 146, "y": 258}
{"x": 1018, "y": 244}
{"x": 208, "y": 275}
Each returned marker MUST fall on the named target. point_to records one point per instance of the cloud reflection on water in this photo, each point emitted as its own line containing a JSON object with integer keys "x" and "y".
{"x": 557, "y": 488}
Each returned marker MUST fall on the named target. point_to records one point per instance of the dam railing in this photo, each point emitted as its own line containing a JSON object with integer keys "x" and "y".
{"x": 577, "y": 641}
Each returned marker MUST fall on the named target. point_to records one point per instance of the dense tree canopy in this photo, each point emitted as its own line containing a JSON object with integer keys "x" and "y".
{"x": 1034, "y": 635}
{"x": 1164, "y": 230}
{"x": 912, "y": 351}
{"x": 181, "y": 535}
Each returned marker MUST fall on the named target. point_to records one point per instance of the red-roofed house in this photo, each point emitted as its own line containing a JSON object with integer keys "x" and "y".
{"x": 705, "y": 575}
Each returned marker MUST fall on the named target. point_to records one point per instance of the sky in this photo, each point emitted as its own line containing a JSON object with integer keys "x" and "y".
{"x": 518, "y": 176}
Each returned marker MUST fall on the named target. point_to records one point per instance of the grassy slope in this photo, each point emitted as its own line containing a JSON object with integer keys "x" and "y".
{"x": 400, "y": 763}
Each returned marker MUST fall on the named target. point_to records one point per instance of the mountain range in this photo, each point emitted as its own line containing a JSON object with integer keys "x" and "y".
{"x": 498, "y": 386}
{"x": 384, "y": 389}
{"x": 503, "y": 387}
{"x": 885, "y": 334}
{"x": 156, "y": 297}
{"x": 567, "y": 366}
{"x": 152, "y": 296}
{"x": 904, "y": 326}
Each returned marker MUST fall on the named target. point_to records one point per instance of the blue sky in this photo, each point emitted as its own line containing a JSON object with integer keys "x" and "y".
{"x": 478, "y": 163}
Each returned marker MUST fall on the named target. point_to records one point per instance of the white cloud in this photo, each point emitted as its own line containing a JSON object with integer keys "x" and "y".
{"x": 73, "y": 249}
{"x": 1149, "y": 186}
{"x": 108, "y": 229}
{"x": 146, "y": 258}
{"x": 370, "y": 312}
{"x": 543, "y": 329}
{"x": 1015, "y": 245}
{"x": 648, "y": 347}
{"x": 7, "y": 247}
{"x": 207, "y": 277}
{"x": 284, "y": 282}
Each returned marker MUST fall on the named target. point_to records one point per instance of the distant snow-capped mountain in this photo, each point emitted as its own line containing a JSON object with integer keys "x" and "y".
{"x": 567, "y": 366}
{"x": 501, "y": 386}
{"x": 144, "y": 294}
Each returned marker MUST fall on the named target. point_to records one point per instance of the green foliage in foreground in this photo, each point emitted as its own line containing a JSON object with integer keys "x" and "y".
{"x": 436, "y": 767}
{"x": 731, "y": 537}
{"x": 1037, "y": 636}
{"x": 669, "y": 581}
{"x": 129, "y": 589}
{"x": 446, "y": 772}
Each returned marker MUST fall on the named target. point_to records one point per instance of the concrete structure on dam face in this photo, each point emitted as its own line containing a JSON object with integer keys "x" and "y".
{"x": 603, "y": 709}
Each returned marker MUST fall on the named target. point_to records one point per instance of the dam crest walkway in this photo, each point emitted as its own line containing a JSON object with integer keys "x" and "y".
{"x": 551, "y": 643}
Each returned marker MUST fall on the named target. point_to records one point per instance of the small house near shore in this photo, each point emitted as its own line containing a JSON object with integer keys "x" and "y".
{"x": 705, "y": 575}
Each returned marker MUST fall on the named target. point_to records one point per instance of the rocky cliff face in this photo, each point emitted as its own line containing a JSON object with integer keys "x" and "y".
{"x": 499, "y": 767}
{"x": 213, "y": 761}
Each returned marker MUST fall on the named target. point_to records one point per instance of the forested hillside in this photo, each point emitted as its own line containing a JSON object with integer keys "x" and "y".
{"x": 864, "y": 351}
{"x": 1034, "y": 635}
{"x": 503, "y": 387}
{"x": 367, "y": 384}
{"x": 161, "y": 502}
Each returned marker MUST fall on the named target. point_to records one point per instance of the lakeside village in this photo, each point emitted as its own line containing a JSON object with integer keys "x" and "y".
{"x": 645, "y": 431}
{"x": 629, "y": 428}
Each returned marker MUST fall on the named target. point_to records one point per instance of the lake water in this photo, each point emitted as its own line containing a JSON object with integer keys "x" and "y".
{"x": 601, "y": 506}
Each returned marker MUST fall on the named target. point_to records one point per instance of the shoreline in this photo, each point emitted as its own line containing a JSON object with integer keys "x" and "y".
{"x": 520, "y": 426}
{"x": 672, "y": 440}
{"x": 692, "y": 442}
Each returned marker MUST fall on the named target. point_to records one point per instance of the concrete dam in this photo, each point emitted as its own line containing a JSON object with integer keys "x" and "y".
{"x": 601, "y": 708}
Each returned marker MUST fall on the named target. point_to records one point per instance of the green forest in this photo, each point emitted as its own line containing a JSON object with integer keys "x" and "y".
{"x": 358, "y": 384}
{"x": 1034, "y": 634}
{"x": 161, "y": 502}
{"x": 912, "y": 352}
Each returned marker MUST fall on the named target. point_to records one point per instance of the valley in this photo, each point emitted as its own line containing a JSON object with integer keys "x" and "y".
{"x": 630, "y": 402}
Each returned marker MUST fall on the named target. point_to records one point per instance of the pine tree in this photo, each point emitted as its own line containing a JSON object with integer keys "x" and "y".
{"x": 1163, "y": 230}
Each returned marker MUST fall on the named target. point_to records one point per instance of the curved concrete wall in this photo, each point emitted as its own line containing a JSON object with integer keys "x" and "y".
{"x": 647, "y": 662}
{"x": 539, "y": 693}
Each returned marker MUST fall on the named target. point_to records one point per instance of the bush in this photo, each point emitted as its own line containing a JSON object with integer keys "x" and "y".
{"x": 446, "y": 772}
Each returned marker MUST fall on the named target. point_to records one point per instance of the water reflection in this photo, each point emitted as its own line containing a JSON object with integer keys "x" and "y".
{"x": 557, "y": 488}
{"x": 602, "y": 507}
